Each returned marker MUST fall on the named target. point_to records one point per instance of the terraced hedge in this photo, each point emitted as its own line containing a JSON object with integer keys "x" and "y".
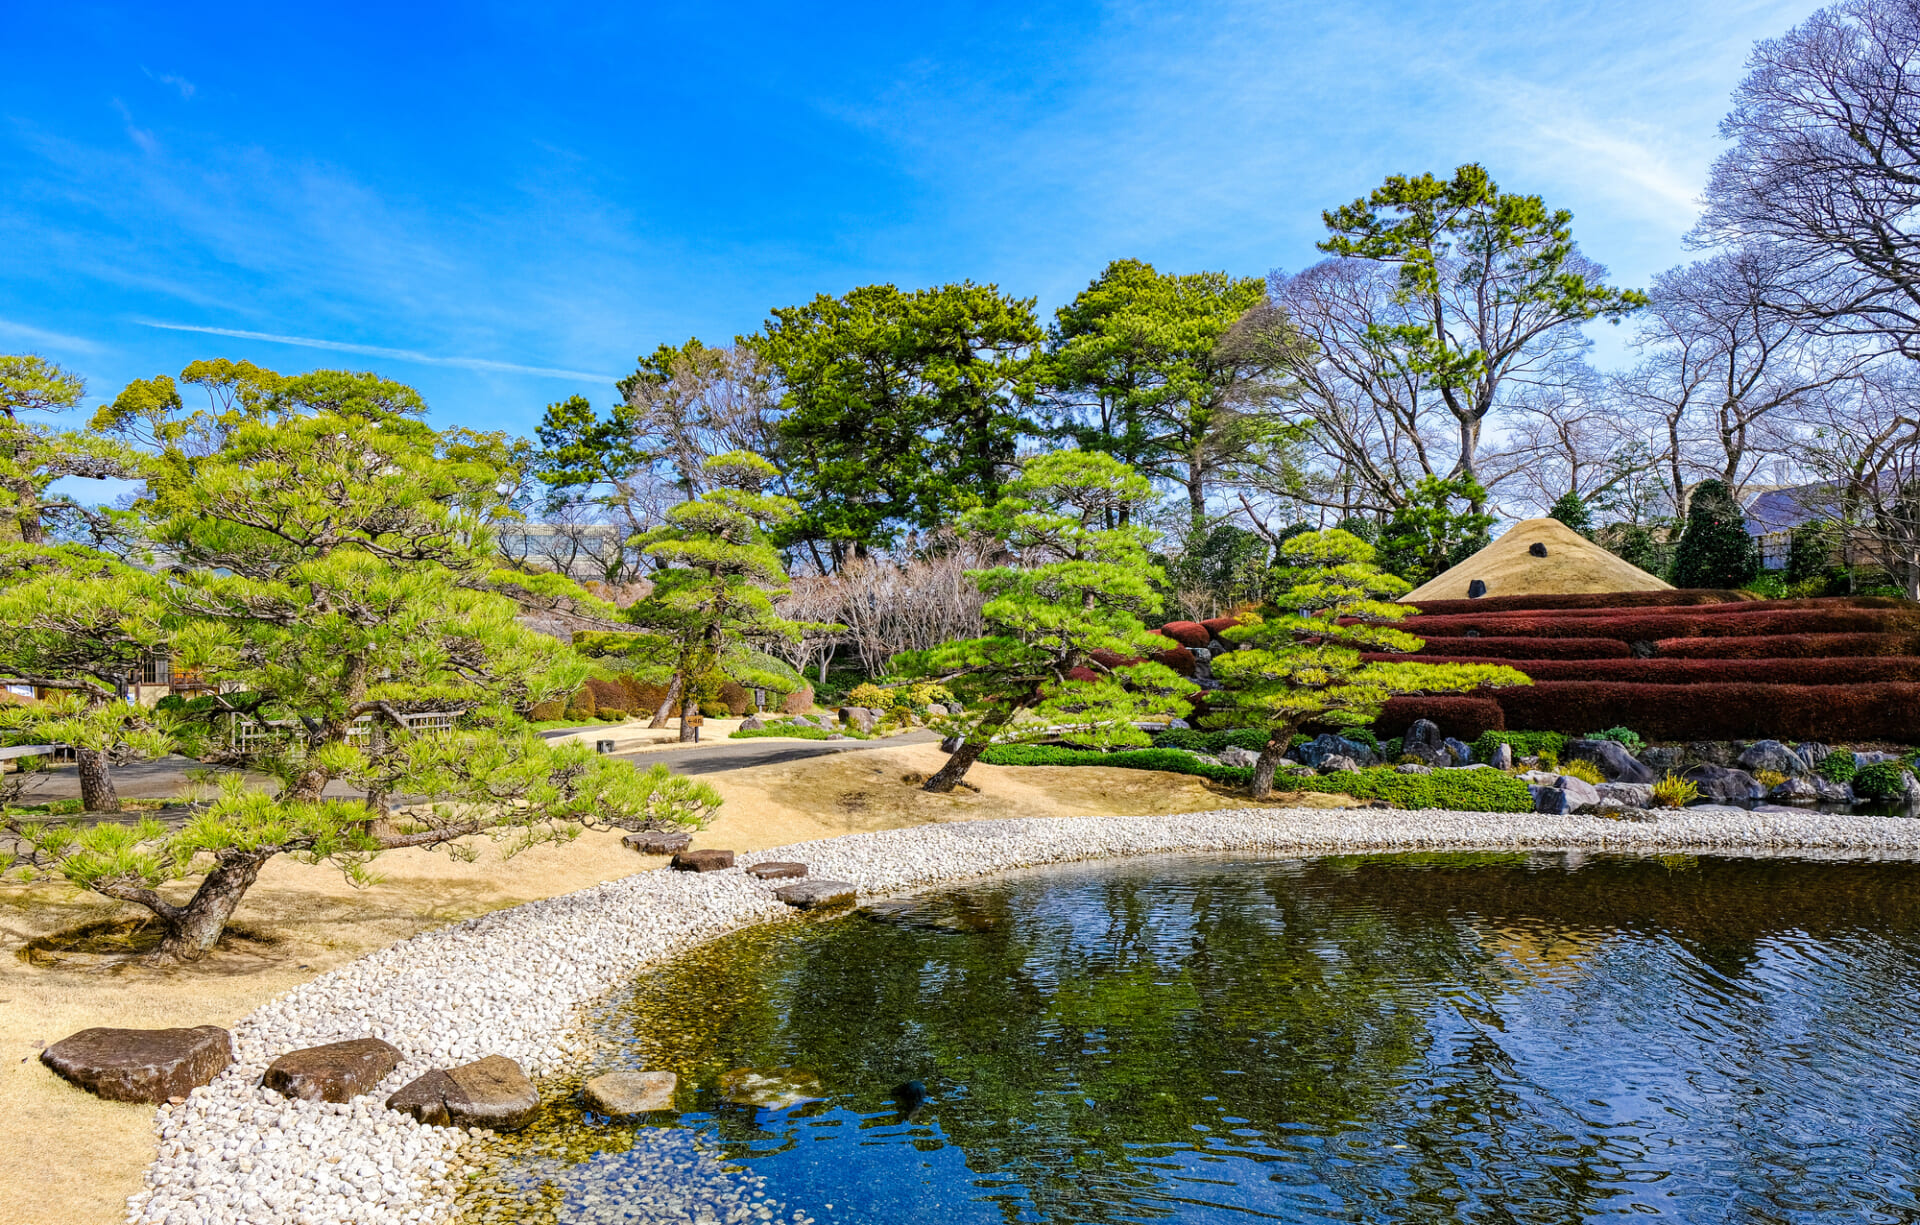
{"x": 1720, "y": 710}
{"x": 1462, "y": 717}
{"x": 1790, "y": 646}
{"x": 1652, "y": 626}
{"x": 1503, "y": 650}
{"x": 1683, "y": 598}
{"x": 1671, "y": 671}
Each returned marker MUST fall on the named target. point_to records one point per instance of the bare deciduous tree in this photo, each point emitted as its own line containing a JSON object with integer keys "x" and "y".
{"x": 888, "y": 606}
{"x": 1864, "y": 452}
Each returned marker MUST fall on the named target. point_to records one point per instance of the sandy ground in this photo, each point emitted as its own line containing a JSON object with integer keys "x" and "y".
{"x": 76, "y": 1158}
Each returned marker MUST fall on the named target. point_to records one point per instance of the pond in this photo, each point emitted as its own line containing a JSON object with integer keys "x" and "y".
{"x": 1428, "y": 1038}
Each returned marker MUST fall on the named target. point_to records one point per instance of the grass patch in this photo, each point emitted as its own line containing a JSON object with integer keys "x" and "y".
{"x": 795, "y": 731}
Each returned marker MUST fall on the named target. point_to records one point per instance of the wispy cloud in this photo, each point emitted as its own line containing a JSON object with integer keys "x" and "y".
{"x": 137, "y": 134}
{"x": 21, "y": 333}
{"x": 180, "y": 83}
{"x": 399, "y": 355}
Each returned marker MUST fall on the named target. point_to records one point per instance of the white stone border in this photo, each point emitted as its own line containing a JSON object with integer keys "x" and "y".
{"x": 513, "y": 982}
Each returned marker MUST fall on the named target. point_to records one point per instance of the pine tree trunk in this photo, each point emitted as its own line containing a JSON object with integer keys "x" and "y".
{"x": 97, "y": 793}
{"x": 194, "y": 929}
{"x": 1269, "y": 763}
{"x": 949, "y": 775}
{"x": 665, "y": 709}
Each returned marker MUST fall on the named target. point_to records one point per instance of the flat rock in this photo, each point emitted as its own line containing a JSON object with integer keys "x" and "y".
{"x": 776, "y": 870}
{"x": 491, "y": 1092}
{"x": 1626, "y": 795}
{"x": 702, "y": 861}
{"x": 770, "y": 1088}
{"x": 814, "y": 894}
{"x": 657, "y": 841}
{"x": 631, "y": 1092}
{"x": 141, "y": 1065}
{"x": 336, "y": 1072}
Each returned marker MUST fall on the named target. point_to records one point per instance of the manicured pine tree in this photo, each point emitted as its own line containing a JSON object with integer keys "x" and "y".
{"x": 1571, "y": 509}
{"x": 1715, "y": 549}
{"x": 1298, "y": 660}
{"x": 1060, "y": 617}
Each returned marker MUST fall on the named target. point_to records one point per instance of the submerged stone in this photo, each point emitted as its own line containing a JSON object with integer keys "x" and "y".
{"x": 491, "y": 1092}
{"x": 622, "y": 1093}
{"x": 770, "y": 1088}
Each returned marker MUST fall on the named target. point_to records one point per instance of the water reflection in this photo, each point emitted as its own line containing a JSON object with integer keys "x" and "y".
{"x": 1492, "y": 1038}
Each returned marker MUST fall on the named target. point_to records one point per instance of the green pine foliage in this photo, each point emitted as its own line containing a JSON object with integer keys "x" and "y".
{"x": 1440, "y": 525}
{"x": 1571, "y": 509}
{"x": 1086, "y": 584}
{"x": 1303, "y": 665}
{"x": 1715, "y": 549}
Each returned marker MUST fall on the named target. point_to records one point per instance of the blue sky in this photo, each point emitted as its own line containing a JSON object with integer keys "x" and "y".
{"x": 505, "y": 205}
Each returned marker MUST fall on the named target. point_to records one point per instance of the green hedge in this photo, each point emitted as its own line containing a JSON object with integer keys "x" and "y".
{"x": 1880, "y": 781}
{"x": 1250, "y": 738}
{"x": 1837, "y": 766}
{"x": 1524, "y": 744}
{"x": 1462, "y": 790}
{"x": 795, "y": 731}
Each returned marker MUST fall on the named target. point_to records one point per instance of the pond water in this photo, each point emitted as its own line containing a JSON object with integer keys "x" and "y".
{"x": 1440, "y": 1038}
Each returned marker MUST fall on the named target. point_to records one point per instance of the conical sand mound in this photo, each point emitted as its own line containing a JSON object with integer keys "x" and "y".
{"x": 1508, "y": 566}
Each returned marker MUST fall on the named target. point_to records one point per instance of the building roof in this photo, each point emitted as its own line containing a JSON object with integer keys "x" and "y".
{"x": 1508, "y": 566}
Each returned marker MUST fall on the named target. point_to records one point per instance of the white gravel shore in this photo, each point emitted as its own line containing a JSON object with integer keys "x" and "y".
{"x": 513, "y": 982}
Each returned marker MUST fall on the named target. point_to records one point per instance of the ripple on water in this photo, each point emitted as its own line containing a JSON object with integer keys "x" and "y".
{"x": 1487, "y": 1037}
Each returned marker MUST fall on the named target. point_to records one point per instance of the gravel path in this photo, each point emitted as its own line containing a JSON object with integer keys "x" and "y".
{"x": 513, "y": 982}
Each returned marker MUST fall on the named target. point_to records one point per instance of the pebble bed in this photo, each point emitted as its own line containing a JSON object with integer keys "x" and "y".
{"x": 513, "y": 983}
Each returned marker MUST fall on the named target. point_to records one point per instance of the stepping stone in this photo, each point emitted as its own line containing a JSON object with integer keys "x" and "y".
{"x": 141, "y": 1065}
{"x": 702, "y": 861}
{"x": 657, "y": 842}
{"x": 770, "y": 1088}
{"x": 336, "y": 1072}
{"x": 631, "y": 1092}
{"x": 491, "y": 1092}
{"x": 776, "y": 871}
{"x": 817, "y": 894}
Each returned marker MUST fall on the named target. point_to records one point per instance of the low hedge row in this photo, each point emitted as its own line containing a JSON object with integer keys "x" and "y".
{"x": 1746, "y": 603}
{"x": 1252, "y": 739}
{"x": 1652, "y": 626}
{"x": 1461, "y": 790}
{"x": 1523, "y": 744}
{"x": 1719, "y": 710}
{"x": 1681, "y": 598}
{"x": 1666, "y": 671}
{"x": 795, "y": 731}
{"x": 1460, "y": 716}
{"x": 1526, "y": 648}
{"x": 1788, "y": 646}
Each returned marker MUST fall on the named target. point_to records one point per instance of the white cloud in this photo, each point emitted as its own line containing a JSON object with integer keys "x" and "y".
{"x": 180, "y": 83}
{"x": 401, "y": 355}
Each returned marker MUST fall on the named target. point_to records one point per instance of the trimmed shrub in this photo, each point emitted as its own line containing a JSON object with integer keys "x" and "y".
{"x": 1718, "y": 711}
{"x": 1462, "y": 717}
{"x": 1626, "y": 737}
{"x": 1684, "y": 598}
{"x": 1790, "y": 646}
{"x": 1837, "y": 767}
{"x": 1715, "y": 549}
{"x": 581, "y": 705}
{"x": 1112, "y": 659}
{"x": 1215, "y": 625}
{"x": 1180, "y": 659}
{"x": 549, "y": 711}
{"x": 1652, "y": 626}
{"x": 1250, "y": 738}
{"x": 1663, "y": 671}
{"x": 1187, "y": 633}
{"x": 1523, "y": 744}
{"x": 799, "y": 702}
{"x": 735, "y": 698}
{"x": 1462, "y": 790}
{"x": 1880, "y": 781}
{"x": 609, "y": 697}
{"x": 1752, "y": 604}
{"x": 1503, "y": 649}
{"x": 796, "y": 731}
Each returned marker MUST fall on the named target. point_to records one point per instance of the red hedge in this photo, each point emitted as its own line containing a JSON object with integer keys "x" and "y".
{"x": 1180, "y": 659}
{"x": 1187, "y": 633}
{"x": 1463, "y": 718}
{"x": 1787, "y": 646}
{"x": 1632, "y": 627}
{"x": 1216, "y": 624}
{"x": 1740, "y": 608}
{"x": 1686, "y": 597}
{"x": 1726, "y": 711}
{"x": 1528, "y": 648}
{"x": 1111, "y": 659}
{"x": 1846, "y": 671}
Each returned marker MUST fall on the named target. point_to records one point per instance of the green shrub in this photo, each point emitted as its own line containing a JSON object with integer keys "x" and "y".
{"x": 1390, "y": 749}
{"x": 1585, "y": 771}
{"x": 1837, "y": 767}
{"x": 582, "y": 705}
{"x": 1624, "y": 736}
{"x": 1462, "y": 790}
{"x": 1880, "y": 781}
{"x": 795, "y": 731}
{"x": 1250, "y": 738}
{"x": 548, "y": 711}
{"x": 1674, "y": 792}
{"x": 1523, "y": 744}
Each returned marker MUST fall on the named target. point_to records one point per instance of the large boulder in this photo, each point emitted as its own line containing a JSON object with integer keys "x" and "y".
{"x": 1794, "y": 791}
{"x": 628, "y": 1093}
{"x": 1412, "y": 767}
{"x": 1422, "y": 733}
{"x": 1618, "y": 765}
{"x": 141, "y": 1065}
{"x": 1862, "y": 760}
{"x": 951, "y": 744}
{"x": 1712, "y": 752}
{"x": 753, "y": 723}
{"x": 1625, "y": 795}
{"x": 1565, "y": 794}
{"x": 1239, "y": 758}
{"x": 859, "y": 718}
{"x": 1663, "y": 759}
{"x": 1334, "y": 762}
{"x": 1770, "y": 755}
{"x": 1502, "y": 756}
{"x": 1723, "y": 784}
{"x": 1459, "y": 750}
{"x": 1316, "y": 751}
{"x": 1812, "y": 752}
{"x": 336, "y": 1072}
{"x": 936, "y": 710}
{"x": 491, "y": 1092}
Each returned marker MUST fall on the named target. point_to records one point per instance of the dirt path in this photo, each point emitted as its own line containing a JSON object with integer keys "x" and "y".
{"x": 299, "y": 921}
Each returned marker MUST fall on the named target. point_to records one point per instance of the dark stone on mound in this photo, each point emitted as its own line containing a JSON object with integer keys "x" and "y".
{"x": 817, "y": 894}
{"x": 776, "y": 871}
{"x": 657, "y": 841}
{"x": 491, "y": 1092}
{"x": 702, "y": 861}
{"x": 336, "y": 1072}
{"x": 141, "y": 1065}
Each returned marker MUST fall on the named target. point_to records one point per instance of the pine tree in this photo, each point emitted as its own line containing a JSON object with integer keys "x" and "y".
{"x": 1571, "y": 509}
{"x": 1715, "y": 550}
{"x": 1299, "y": 660}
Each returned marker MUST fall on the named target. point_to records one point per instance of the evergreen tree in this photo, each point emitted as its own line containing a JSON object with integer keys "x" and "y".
{"x": 1304, "y": 663}
{"x": 1430, "y": 533}
{"x": 1062, "y": 618}
{"x": 713, "y": 596}
{"x": 1571, "y": 509}
{"x": 1715, "y": 549}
